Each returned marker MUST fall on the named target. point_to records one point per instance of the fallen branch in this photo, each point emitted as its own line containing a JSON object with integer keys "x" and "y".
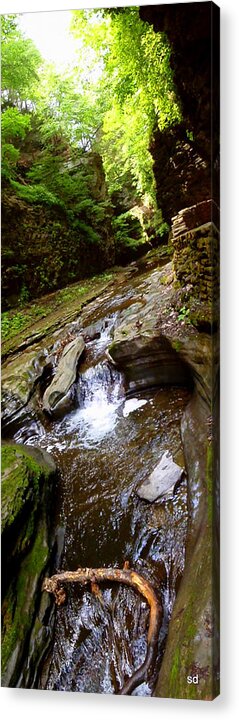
{"x": 129, "y": 577}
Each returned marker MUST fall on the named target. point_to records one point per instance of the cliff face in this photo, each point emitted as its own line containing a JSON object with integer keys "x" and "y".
{"x": 186, "y": 156}
{"x": 45, "y": 246}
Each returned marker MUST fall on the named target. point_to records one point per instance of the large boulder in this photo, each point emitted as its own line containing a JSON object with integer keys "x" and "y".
{"x": 162, "y": 481}
{"x": 140, "y": 347}
{"x": 57, "y": 398}
{"x": 28, "y": 476}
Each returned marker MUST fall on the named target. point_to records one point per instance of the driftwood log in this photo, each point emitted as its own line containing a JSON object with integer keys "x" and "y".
{"x": 55, "y": 584}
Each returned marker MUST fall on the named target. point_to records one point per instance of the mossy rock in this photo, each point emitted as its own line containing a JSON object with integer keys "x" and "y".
{"x": 25, "y": 472}
{"x": 192, "y": 648}
{"x": 27, "y": 484}
{"x": 19, "y": 608}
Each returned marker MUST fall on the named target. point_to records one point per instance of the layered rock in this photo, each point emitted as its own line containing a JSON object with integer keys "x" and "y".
{"x": 155, "y": 344}
{"x": 28, "y": 476}
{"x": 19, "y": 378}
{"x": 192, "y": 647}
{"x": 195, "y": 239}
{"x": 57, "y": 398}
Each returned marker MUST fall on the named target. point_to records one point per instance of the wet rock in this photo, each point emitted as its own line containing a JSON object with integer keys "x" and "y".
{"x": 148, "y": 361}
{"x": 57, "y": 397}
{"x": 27, "y": 485}
{"x": 193, "y": 641}
{"x": 154, "y": 347}
{"x": 24, "y": 470}
{"x": 93, "y": 331}
{"x": 19, "y": 377}
{"x": 11, "y": 407}
{"x": 161, "y": 482}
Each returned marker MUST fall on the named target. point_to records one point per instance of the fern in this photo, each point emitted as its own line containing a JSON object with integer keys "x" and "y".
{"x": 35, "y": 194}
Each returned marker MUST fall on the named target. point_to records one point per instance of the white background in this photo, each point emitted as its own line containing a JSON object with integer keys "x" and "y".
{"x": 33, "y": 704}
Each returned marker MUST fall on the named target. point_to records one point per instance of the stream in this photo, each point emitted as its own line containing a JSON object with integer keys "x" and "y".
{"x": 104, "y": 448}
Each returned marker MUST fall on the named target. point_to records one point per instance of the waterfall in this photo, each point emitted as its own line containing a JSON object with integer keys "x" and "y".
{"x": 100, "y": 393}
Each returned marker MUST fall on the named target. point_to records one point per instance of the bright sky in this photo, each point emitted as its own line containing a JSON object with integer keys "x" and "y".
{"x": 50, "y": 33}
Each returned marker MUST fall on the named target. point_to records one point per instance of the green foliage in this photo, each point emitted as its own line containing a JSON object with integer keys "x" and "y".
{"x": 183, "y": 314}
{"x": 14, "y": 124}
{"x": 110, "y": 103}
{"x": 127, "y": 231}
{"x": 87, "y": 232}
{"x": 10, "y": 157}
{"x": 20, "y": 62}
{"x": 190, "y": 136}
{"x": 135, "y": 76}
{"x": 12, "y": 325}
{"x": 69, "y": 106}
{"x": 163, "y": 229}
{"x": 72, "y": 293}
{"x": 35, "y": 194}
{"x": 24, "y": 295}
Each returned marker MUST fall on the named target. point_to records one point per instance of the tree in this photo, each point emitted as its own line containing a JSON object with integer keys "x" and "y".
{"x": 14, "y": 127}
{"x": 20, "y": 64}
{"x": 135, "y": 77}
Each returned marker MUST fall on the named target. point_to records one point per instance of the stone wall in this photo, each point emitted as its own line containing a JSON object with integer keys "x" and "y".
{"x": 195, "y": 238}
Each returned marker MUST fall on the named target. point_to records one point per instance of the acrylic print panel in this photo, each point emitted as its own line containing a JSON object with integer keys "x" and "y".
{"x": 110, "y": 298}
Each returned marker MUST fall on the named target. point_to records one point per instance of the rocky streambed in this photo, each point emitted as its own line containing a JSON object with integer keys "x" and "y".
{"x": 107, "y": 393}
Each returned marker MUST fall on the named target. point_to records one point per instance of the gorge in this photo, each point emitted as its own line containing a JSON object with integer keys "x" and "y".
{"x": 110, "y": 360}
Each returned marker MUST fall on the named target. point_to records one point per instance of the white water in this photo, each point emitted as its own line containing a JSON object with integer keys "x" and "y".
{"x": 132, "y": 405}
{"x": 100, "y": 396}
{"x": 104, "y": 448}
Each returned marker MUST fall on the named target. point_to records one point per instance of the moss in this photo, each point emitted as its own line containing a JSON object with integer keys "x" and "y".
{"x": 46, "y": 315}
{"x": 190, "y": 630}
{"x": 209, "y": 480}
{"x": 174, "y": 673}
{"x": 192, "y": 692}
{"x": 188, "y": 638}
{"x": 112, "y": 347}
{"x": 177, "y": 345}
{"x": 19, "y": 604}
{"x": 25, "y": 474}
{"x": 25, "y": 488}
{"x": 16, "y": 486}
{"x": 166, "y": 280}
{"x": 21, "y": 477}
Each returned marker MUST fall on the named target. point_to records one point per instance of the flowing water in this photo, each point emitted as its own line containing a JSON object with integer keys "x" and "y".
{"x": 104, "y": 448}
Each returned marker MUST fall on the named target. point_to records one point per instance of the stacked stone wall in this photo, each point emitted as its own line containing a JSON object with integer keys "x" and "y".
{"x": 195, "y": 238}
